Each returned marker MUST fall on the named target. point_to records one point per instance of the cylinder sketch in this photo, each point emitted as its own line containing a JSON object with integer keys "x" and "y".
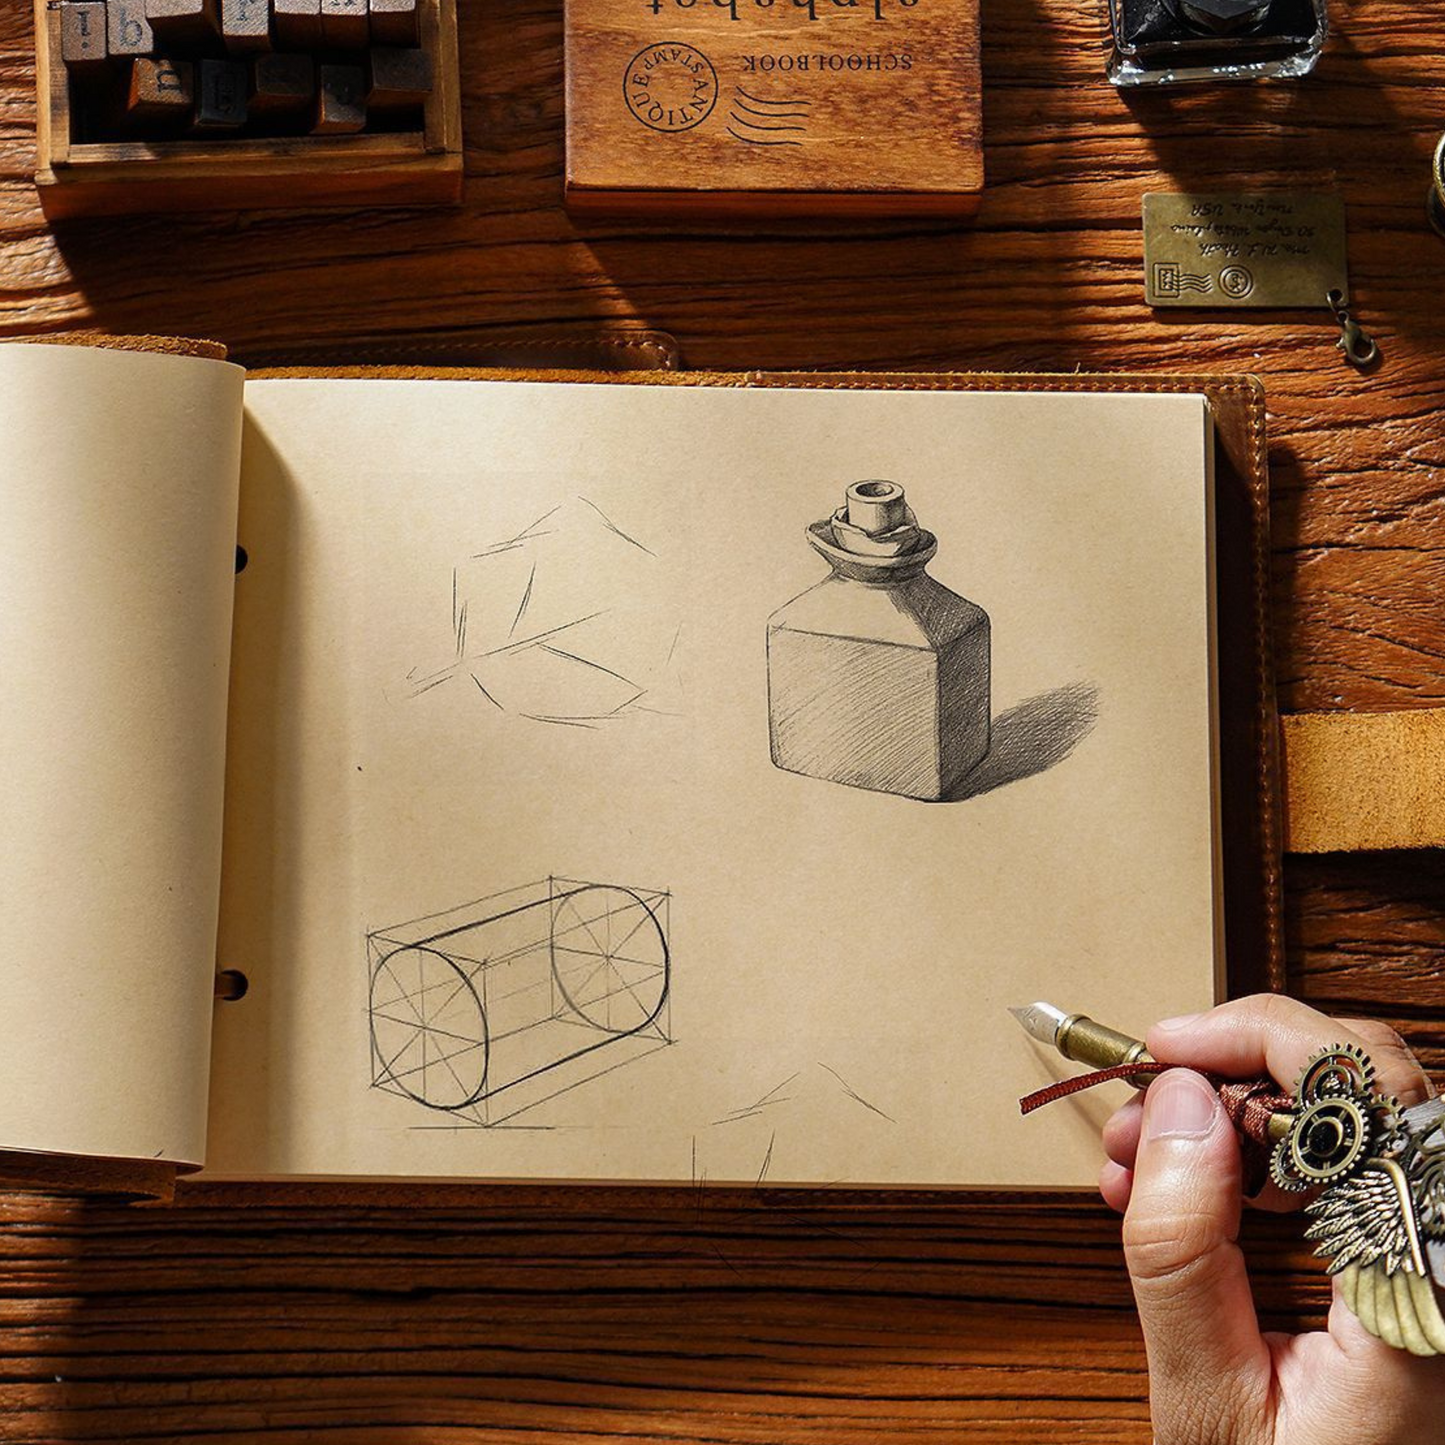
{"x": 878, "y": 677}
{"x": 470, "y": 1003}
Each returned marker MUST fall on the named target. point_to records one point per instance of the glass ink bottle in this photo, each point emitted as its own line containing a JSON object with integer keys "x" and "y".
{"x": 1162, "y": 42}
{"x": 878, "y": 676}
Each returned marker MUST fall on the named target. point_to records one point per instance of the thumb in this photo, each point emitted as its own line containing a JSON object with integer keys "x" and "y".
{"x": 1209, "y": 1367}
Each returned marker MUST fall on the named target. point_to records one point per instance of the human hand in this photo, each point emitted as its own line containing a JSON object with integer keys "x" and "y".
{"x": 1174, "y": 1172}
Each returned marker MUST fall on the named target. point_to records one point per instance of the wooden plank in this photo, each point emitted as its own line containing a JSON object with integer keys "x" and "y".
{"x": 443, "y": 112}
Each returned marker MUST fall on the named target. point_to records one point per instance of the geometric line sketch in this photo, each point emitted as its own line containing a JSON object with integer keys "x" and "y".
{"x": 562, "y": 623}
{"x": 485, "y": 1011}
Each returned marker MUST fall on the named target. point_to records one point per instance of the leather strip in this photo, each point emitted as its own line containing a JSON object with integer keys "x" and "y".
{"x": 1358, "y": 781}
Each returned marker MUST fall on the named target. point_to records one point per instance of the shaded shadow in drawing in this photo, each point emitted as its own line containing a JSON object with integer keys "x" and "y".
{"x": 484, "y": 1012}
{"x": 1032, "y": 738}
{"x": 562, "y": 623}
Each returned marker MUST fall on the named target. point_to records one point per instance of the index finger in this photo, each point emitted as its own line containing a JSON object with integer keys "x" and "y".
{"x": 1273, "y": 1034}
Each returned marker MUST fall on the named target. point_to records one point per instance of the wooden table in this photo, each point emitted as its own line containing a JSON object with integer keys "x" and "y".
{"x": 255, "y": 1314}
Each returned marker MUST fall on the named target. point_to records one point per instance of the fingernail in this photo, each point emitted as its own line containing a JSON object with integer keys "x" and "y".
{"x": 1179, "y": 1105}
{"x": 1182, "y": 1022}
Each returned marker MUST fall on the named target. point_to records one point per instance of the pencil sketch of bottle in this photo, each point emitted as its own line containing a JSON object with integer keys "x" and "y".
{"x": 878, "y": 676}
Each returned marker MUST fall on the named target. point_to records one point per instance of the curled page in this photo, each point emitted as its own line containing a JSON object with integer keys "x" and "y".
{"x": 118, "y": 481}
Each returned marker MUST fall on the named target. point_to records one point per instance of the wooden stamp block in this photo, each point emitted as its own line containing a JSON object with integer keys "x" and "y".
{"x": 282, "y": 85}
{"x": 128, "y": 32}
{"x": 245, "y": 25}
{"x": 340, "y": 100}
{"x": 82, "y": 36}
{"x": 845, "y": 107}
{"x": 345, "y": 24}
{"x": 161, "y": 90}
{"x": 297, "y": 24}
{"x": 398, "y": 79}
{"x": 394, "y": 22}
{"x": 183, "y": 22}
{"x": 93, "y": 159}
{"x": 221, "y": 97}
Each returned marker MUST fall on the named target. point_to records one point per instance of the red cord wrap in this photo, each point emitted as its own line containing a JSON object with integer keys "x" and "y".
{"x": 1249, "y": 1105}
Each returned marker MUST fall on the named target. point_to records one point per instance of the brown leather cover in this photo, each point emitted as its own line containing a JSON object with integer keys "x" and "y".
{"x": 71, "y": 1174}
{"x": 166, "y": 345}
{"x": 610, "y": 351}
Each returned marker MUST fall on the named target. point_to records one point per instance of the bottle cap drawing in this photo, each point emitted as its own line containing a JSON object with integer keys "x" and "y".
{"x": 875, "y": 519}
{"x": 874, "y": 536}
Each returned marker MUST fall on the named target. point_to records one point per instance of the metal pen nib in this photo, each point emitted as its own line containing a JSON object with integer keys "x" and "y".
{"x": 1078, "y": 1037}
{"x": 1041, "y": 1021}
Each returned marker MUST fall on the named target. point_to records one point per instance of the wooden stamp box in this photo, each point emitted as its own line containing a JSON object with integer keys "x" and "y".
{"x": 410, "y": 167}
{"x": 758, "y": 107}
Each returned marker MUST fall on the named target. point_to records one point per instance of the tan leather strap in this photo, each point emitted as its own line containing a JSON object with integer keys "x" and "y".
{"x": 1356, "y": 781}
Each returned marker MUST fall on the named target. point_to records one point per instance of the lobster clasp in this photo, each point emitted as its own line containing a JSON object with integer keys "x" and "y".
{"x": 1358, "y": 345}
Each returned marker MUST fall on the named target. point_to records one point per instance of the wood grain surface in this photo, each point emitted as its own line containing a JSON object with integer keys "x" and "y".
{"x": 286, "y": 1315}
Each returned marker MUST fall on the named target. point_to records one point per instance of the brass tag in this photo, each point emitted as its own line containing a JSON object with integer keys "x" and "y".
{"x": 1235, "y": 248}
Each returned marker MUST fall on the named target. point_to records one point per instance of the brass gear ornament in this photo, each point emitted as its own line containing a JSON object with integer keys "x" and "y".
{"x": 1343, "y": 1069}
{"x": 1336, "y": 1122}
{"x": 1328, "y": 1138}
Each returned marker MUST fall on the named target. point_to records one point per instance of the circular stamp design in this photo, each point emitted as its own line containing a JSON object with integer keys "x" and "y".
{"x": 1236, "y": 281}
{"x": 670, "y": 86}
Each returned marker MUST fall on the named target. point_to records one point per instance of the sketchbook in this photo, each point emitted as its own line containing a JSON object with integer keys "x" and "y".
{"x": 645, "y": 779}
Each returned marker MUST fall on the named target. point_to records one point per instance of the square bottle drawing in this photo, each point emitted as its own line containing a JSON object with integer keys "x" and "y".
{"x": 878, "y": 677}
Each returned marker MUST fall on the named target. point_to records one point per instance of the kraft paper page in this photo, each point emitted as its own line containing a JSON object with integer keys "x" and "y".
{"x": 560, "y": 841}
{"x": 118, "y": 480}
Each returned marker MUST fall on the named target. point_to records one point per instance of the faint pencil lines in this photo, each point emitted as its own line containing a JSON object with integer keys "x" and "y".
{"x": 852, "y": 1093}
{"x": 561, "y": 623}
{"x": 771, "y": 1099}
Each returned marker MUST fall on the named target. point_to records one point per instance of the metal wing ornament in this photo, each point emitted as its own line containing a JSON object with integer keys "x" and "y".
{"x": 1380, "y": 1220}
